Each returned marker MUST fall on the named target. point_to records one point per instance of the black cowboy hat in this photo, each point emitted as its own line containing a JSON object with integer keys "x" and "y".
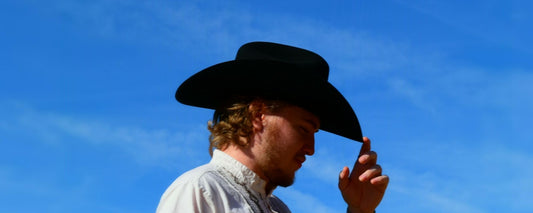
{"x": 278, "y": 72}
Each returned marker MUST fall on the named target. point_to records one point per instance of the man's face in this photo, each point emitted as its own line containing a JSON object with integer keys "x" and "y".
{"x": 288, "y": 136}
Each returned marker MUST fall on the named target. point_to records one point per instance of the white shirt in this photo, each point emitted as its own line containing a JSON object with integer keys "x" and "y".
{"x": 222, "y": 185}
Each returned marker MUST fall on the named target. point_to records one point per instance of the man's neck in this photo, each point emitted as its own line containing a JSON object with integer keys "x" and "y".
{"x": 246, "y": 157}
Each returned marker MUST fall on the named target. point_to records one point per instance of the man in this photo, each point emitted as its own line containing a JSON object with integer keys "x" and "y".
{"x": 268, "y": 102}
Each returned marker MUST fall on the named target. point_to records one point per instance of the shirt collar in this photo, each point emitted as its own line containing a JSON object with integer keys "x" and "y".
{"x": 243, "y": 174}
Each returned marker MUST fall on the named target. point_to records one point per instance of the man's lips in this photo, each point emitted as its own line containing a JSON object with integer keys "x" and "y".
{"x": 300, "y": 161}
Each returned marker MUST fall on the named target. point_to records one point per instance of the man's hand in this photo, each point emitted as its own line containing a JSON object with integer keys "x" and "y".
{"x": 364, "y": 188}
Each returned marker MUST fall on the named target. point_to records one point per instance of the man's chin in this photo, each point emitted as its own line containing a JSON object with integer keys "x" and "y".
{"x": 283, "y": 181}
{"x": 286, "y": 184}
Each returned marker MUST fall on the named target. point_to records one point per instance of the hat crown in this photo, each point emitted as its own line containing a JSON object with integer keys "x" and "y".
{"x": 306, "y": 60}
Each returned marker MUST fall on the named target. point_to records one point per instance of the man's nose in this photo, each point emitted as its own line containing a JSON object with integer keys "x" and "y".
{"x": 309, "y": 147}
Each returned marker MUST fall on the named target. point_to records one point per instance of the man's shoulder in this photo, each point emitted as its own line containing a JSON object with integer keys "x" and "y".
{"x": 205, "y": 174}
{"x": 191, "y": 190}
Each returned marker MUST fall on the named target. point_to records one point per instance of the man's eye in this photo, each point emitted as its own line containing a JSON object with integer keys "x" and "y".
{"x": 305, "y": 130}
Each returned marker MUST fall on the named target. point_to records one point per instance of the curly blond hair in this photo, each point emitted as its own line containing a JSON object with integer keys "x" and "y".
{"x": 233, "y": 123}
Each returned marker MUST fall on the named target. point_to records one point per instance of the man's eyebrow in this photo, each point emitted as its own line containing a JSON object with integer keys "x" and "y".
{"x": 315, "y": 125}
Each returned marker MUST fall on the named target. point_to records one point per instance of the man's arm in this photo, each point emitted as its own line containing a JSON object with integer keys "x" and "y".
{"x": 364, "y": 188}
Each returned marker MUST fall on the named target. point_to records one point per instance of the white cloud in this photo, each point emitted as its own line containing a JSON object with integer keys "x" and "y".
{"x": 302, "y": 202}
{"x": 219, "y": 30}
{"x": 415, "y": 94}
{"x": 453, "y": 176}
{"x": 328, "y": 161}
{"x": 153, "y": 147}
{"x": 497, "y": 22}
{"x": 48, "y": 195}
{"x": 184, "y": 25}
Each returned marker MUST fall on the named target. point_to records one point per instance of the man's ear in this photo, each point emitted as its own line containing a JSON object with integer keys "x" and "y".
{"x": 257, "y": 115}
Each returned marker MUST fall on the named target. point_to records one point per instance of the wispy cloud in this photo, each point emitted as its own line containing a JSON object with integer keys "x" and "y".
{"x": 498, "y": 22}
{"x": 506, "y": 91}
{"x": 303, "y": 202}
{"x": 50, "y": 196}
{"x": 328, "y": 162}
{"x": 185, "y": 25}
{"x": 219, "y": 30}
{"x": 453, "y": 176}
{"x": 153, "y": 147}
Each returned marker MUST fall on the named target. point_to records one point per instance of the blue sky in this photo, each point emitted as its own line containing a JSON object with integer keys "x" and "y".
{"x": 88, "y": 122}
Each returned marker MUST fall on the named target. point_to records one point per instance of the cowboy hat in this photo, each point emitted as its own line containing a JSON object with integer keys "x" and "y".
{"x": 278, "y": 72}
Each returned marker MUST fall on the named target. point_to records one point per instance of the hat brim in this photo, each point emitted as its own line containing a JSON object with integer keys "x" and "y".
{"x": 213, "y": 86}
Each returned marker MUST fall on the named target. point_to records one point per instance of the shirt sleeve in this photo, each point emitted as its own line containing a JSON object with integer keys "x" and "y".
{"x": 187, "y": 197}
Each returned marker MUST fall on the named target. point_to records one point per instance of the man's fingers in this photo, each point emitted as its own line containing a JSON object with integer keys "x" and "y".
{"x": 382, "y": 179}
{"x": 365, "y": 147}
{"x": 361, "y": 158}
{"x": 343, "y": 178}
{"x": 370, "y": 173}
{"x": 344, "y": 173}
{"x": 369, "y": 158}
{"x": 365, "y": 159}
{"x": 381, "y": 182}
